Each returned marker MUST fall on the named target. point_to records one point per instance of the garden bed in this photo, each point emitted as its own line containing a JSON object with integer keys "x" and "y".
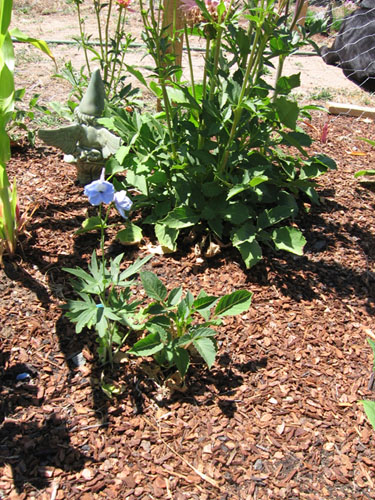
{"x": 278, "y": 414}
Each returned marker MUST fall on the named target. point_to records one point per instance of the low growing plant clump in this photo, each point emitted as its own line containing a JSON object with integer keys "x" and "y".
{"x": 226, "y": 155}
{"x": 106, "y": 302}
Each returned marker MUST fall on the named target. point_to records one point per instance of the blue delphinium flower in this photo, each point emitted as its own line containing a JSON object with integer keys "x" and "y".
{"x": 100, "y": 191}
{"x": 123, "y": 203}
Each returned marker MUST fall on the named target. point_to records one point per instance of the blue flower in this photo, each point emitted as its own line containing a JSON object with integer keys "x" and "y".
{"x": 123, "y": 203}
{"x": 100, "y": 191}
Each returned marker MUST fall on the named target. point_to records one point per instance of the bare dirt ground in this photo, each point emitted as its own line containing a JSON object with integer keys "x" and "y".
{"x": 277, "y": 417}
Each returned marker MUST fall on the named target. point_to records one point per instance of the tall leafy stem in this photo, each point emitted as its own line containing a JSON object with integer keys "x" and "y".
{"x": 9, "y": 220}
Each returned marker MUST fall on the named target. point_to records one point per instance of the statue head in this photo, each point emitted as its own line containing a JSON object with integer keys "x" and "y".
{"x": 92, "y": 105}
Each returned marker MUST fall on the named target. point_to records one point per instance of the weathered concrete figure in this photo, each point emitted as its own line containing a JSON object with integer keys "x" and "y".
{"x": 86, "y": 144}
{"x": 354, "y": 47}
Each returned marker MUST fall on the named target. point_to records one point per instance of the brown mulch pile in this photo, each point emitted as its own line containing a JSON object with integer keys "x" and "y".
{"x": 276, "y": 417}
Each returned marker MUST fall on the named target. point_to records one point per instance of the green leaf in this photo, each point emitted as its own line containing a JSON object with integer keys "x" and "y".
{"x": 153, "y": 286}
{"x": 91, "y": 224}
{"x": 131, "y": 234}
{"x": 288, "y": 112}
{"x": 174, "y": 297}
{"x": 166, "y": 236}
{"x": 247, "y": 232}
{"x": 236, "y": 213}
{"x": 39, "y": 44}
{"x": 134, "y": 268}
{"x": 372, "y": 345}
{"x": 147, "y": 346}
{"x": 207, "y": 349}
{"x": 289, "y": 239}
{"x": 360, "y": 173}
{"x": 369, "y": 407}
{"x": 251, "y": 253}
{"x": 203, "y": 303}
{"x": 137, "y": 74}
{"x": 181, "y": 360}
{"x": 203, "y": 332}
{"x": 179, "y": 218}
{"x": 235, "y": 303}
{"x": 286, "y": 83}
{"x": 272, "y": 216}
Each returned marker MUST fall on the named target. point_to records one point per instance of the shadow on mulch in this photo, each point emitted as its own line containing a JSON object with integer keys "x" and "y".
{"x": 72, "y": 345}
{"x": 204, "y": 387}
{"x": 30, "y": 448}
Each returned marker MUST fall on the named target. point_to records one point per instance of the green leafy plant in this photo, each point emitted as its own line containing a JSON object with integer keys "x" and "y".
{"x": 369, "y": 406}
{"x": 218, "y": 156}
{"x": 9, "y": 225}
{"x": 317, "y": 22}
{"x": 104, "y": 292}
{"x": 24, "y": 117}
{"x": 174, "y": 333}
{"x": 110, "y": 48}
{"x": 105, "y": 302}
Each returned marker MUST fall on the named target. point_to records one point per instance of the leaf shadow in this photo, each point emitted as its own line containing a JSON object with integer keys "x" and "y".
{"x": 31, "y": 447}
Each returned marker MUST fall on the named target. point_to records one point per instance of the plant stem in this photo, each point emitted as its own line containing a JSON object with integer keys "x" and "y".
{"x": 190, "y": 61}
{"x": 113, "y": 59}
{"x": 238, "y": 109}
{"x": 204, "y": 91}
{"x": 107, "y": 44}
{"x": 157, "y": 55}
{"x": 98, "y": 22}
{"x": 82, "y": 35}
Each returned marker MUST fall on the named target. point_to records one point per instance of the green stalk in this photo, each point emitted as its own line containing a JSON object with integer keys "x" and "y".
{"x": 82, "y": 34}
{"x": 282, "y": 58}
{"x": 160, "y": 68}
{"x": 107, "y": 44}
{"x": 207, "y": 55}
{"x": 238, "y": 109}
{"x": 204, "y": 91}
{"x": 217, "y": 46}
{"x": 98, "y": 22}
{"x": 118, "y": 35}
{"x": 7, "y": 215}
{"x": 190, "y": 61}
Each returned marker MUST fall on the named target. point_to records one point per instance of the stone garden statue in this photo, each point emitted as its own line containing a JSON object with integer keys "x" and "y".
{"x": 85, "y": 143}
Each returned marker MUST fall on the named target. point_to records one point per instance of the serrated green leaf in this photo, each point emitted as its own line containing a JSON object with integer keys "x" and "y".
{"x": 174, "y": 297}
{"x": 203, "y": 303}
{"x": 203, "y": 332}
{"x": 153, "y": 286}
{"x": 147, "y": 346}
{"x": 207, "y": 349}
{"x": 274, "y": 215}
{"x": 181, "y": 360}
{"x": 235, "y": 303}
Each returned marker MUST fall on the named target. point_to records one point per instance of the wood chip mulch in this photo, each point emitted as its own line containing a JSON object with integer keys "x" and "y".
{"x": 278, "y": 416}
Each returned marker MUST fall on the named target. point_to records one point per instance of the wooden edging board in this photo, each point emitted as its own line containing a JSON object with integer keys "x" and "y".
{"x": 338, "y": 108}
